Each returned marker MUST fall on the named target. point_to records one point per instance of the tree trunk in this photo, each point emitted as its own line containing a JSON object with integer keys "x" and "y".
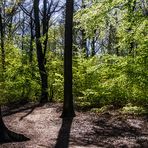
{"x": 23, "y": 32}
{"x": 31, "y": 40}
{"x": 40, "y": 55}
{"x": 93, "y": 47}
{"x": 131, "y": 20}
{"x": 84, "y": 44}
{"x": 2, "y": 40}
{"x": 84, "y": 40}
{"x": 45, "y": 26}
{"x": 68, "y": 109}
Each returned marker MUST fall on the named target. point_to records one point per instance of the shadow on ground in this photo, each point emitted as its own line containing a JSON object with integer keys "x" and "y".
{"x": 17, "y": 108}
{"x": 114, "y": 132}
{"x": 8, "y": 136}
{"x": 64, "y": 133}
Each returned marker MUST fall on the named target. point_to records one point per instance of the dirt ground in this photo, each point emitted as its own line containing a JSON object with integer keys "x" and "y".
{"x": 87, "y": 130}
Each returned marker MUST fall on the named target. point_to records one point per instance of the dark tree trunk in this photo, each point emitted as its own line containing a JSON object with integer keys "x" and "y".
{"x": 68, "y": 109}
{"x": 93, "y": 47}
{"x": 10, "y": 28}
{"x": 7, "y": 135}
{"x": 84, "y": 43}
{"x": 31, "y": 39}
{"x": 131, "y": 9}
{"x": 23, "y": 31}
{"x": 110, "y": 40}
{"x": 84, "y": 40}
{"x": 45, "y": 26}
{"x": 40, "y": 54}
{"x": 2, "y": 40}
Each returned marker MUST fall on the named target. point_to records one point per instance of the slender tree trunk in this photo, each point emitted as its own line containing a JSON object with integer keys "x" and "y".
{"x": 10, "y": 29}
{"x": 23, "y": 32}
{"x": 31, "y": 40}
{"x": 84, "y": 40}
{"x": 2, "y": 40}
{"x": 45, "y": 27}
{"x": 40, "y": 55}
{"x": 93, "y": 47}
{"x": 68, "y": 109}
{"x": 84, "y": 43}
{"x": 131, "y": 9}
{"x": 109, "y": 44}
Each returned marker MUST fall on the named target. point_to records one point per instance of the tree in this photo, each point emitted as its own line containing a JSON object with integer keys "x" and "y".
{"x": 40, "y": 54}
{"x": 48, "y": 10}
{"x": 2, "y": 39}
{"x": 68, "y": 109}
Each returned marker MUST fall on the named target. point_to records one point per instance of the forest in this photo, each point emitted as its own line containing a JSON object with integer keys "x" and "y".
{"x": 74, "y": 73}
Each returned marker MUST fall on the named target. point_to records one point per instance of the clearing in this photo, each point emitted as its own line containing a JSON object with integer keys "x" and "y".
{"x": 45, "y": 129}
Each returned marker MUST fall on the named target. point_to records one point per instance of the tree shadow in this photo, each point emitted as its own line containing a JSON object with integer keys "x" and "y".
{"x": 8, "y": 136}
{"x": 31, "y": 110}
{"x": 64, "y": 133}
{"x": 7, "y": 111}
{"x": 108, "y": 128}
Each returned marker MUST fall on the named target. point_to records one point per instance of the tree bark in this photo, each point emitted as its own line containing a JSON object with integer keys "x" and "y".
{"x": 40, "y": 55}
{"x": 68, "y": 109}
{"x": 2, "y": 40}
{"x": 84, "y": 40}
{"x": 93, "y": 52}
{"x": 131, "y": 9}
{"x": 84, "y": 44}
{"x": 31, "y": 40}
{"x": 45, "y": 26}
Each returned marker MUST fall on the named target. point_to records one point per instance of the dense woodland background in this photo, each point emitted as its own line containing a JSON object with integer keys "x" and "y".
{"x": 110, "y": 52}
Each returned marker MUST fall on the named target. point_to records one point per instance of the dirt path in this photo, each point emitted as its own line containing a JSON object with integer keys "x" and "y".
{"x": 87, "y": 130}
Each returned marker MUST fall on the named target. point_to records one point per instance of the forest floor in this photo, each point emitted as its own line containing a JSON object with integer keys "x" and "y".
{"x": 46, "y": 129}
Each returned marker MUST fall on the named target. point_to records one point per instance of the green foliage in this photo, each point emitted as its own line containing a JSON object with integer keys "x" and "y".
{"x": 137, "y": 110}
{"x": 102, "y": 109}
{"x": 108, "y": 78}
{"x": 105, "y": 80}
{"x": 113, "y": 79}
{"x": 100, "y": 80}
{"x": 20, "y": 80}
{"x": 55, "y": 76}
